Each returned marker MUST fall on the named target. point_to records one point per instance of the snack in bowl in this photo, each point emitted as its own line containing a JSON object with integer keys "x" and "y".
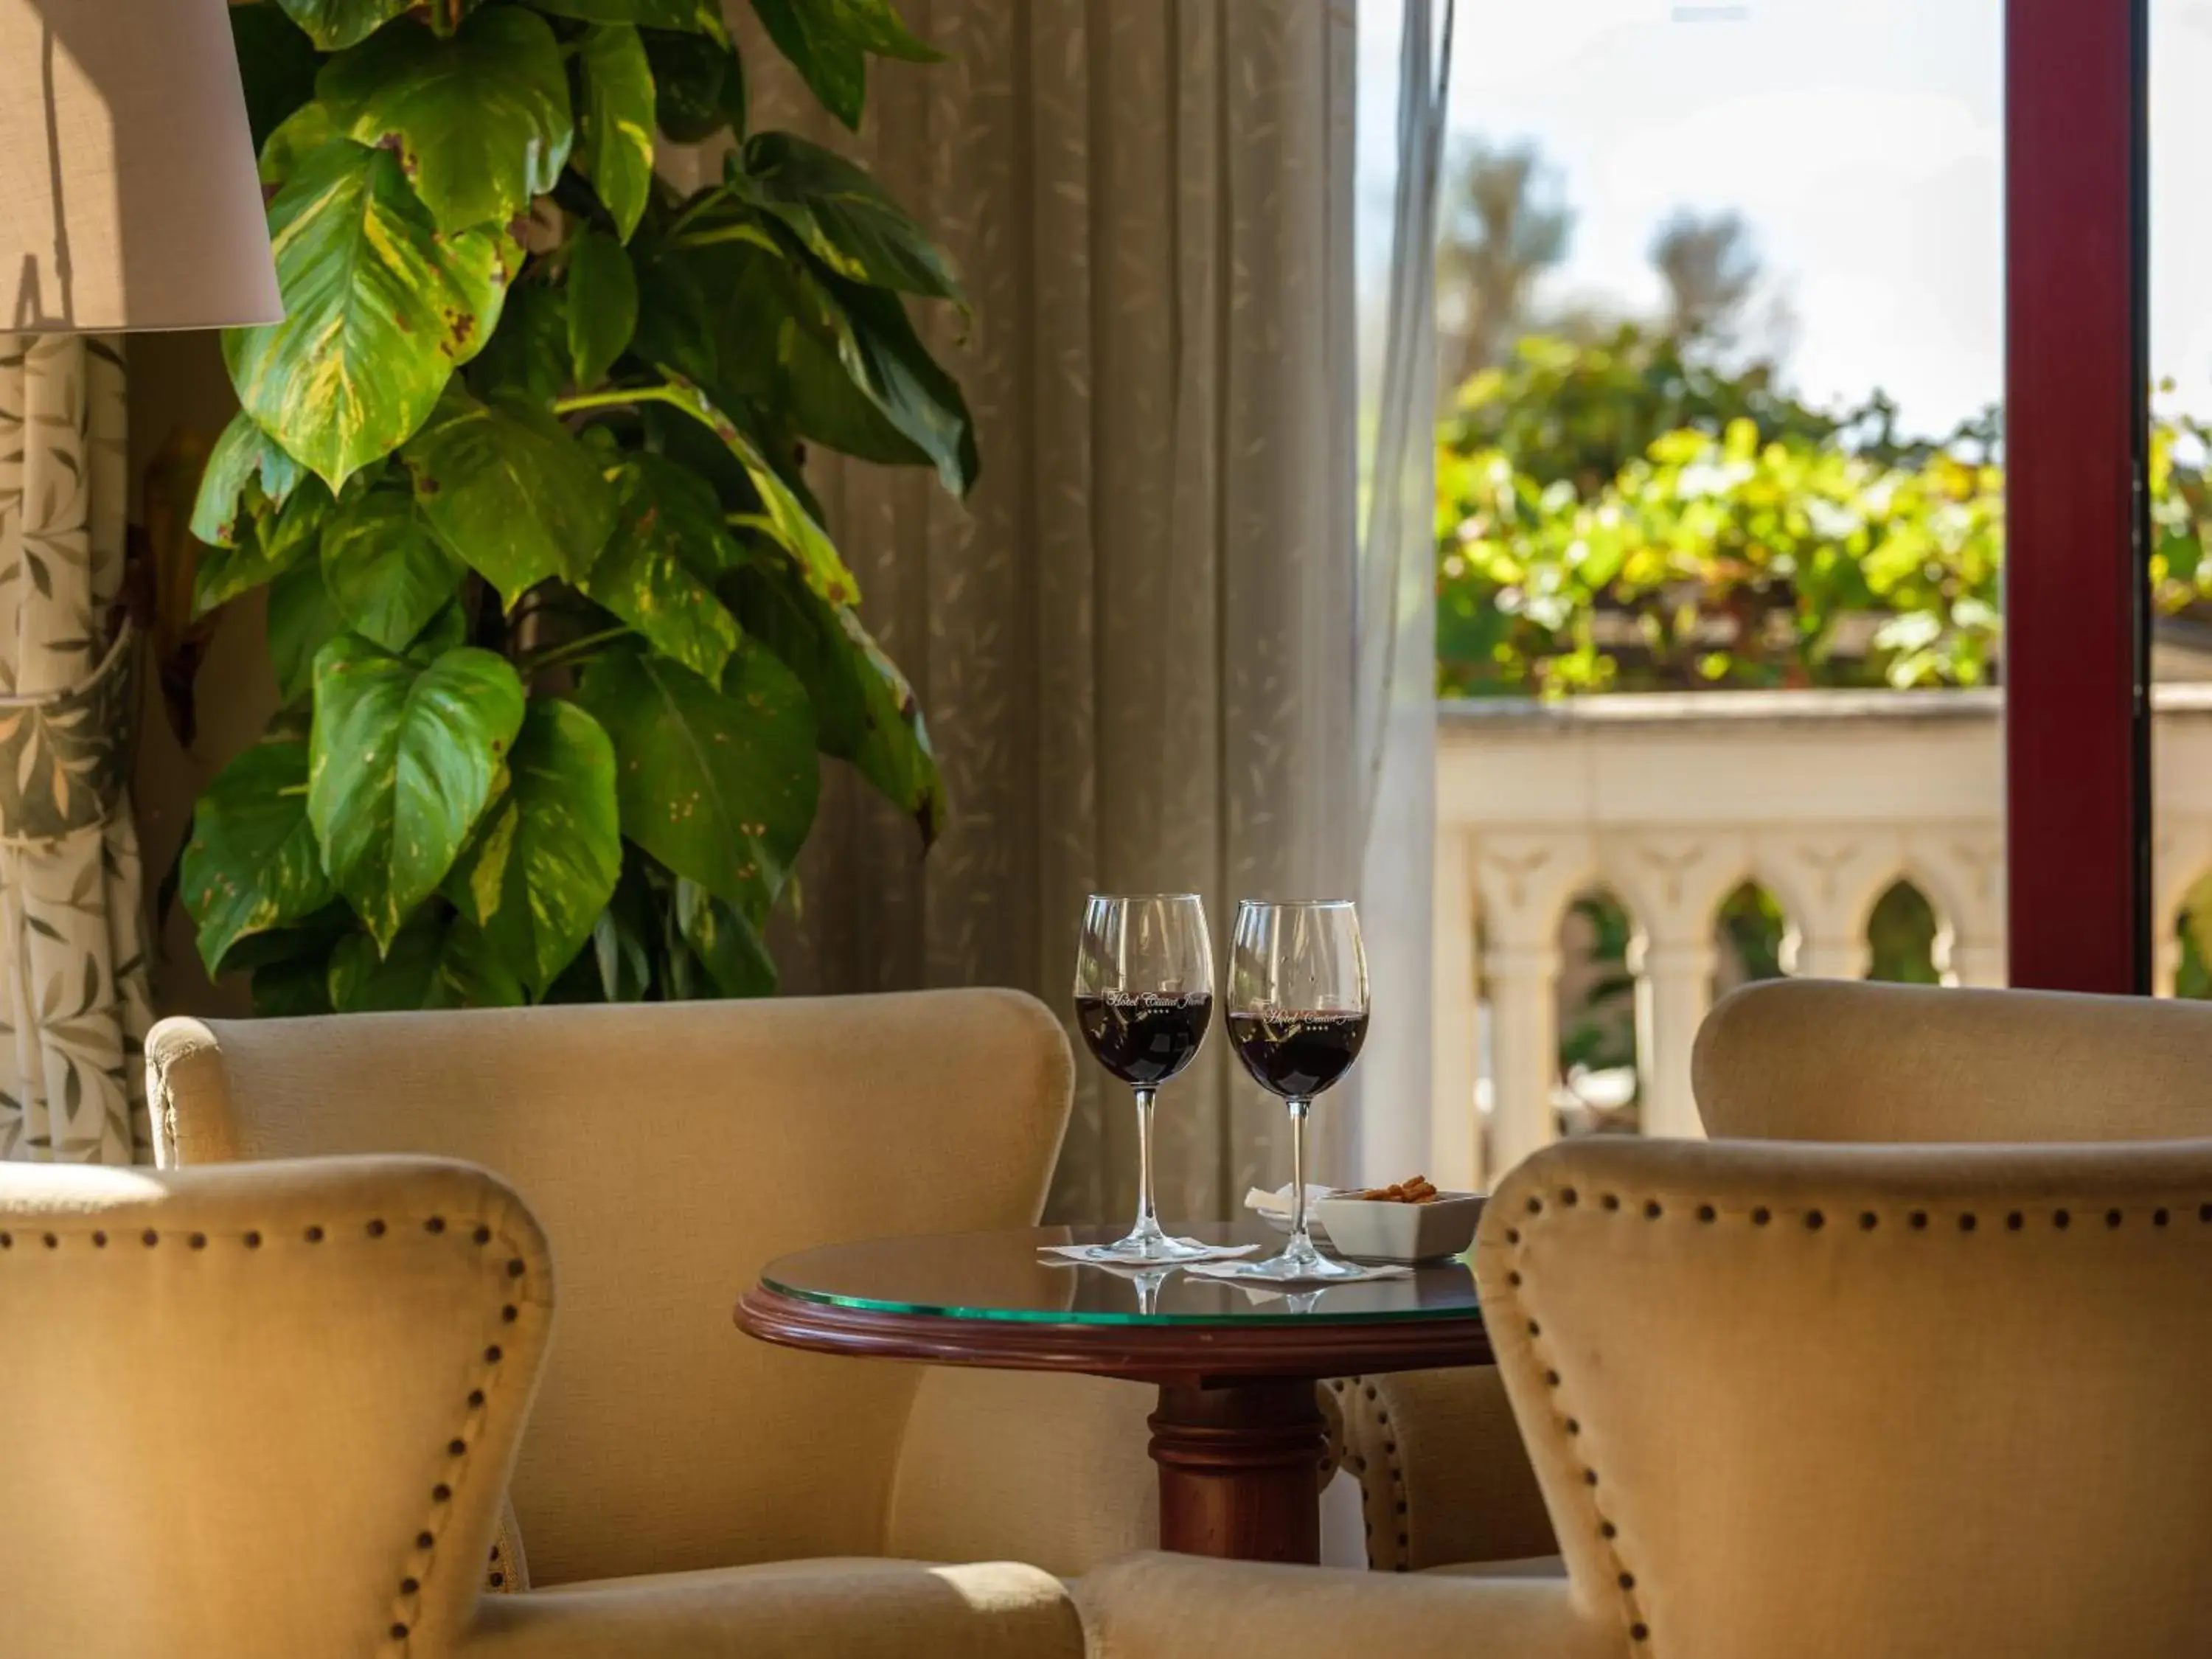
{"x": 1406, "y": 1221}
{"x": 1415, "y": 1190}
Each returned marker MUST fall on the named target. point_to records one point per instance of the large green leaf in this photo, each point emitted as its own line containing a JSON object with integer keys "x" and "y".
{"x": 276, "y": 64}
{"x": 602, "y": 305}
{"x": 299, "y": 136}
{"x": 379, "y": 308}
{"x": 844, "y": 217}
{"x": 699, "y": 85}
{"x": 528, "y": 357}
{"x": 545, "y": 864}
{"x": 622, "y": 946}
{"x": 508, "y": 489}
{"x": 334, "y": 25}
{"x": 827, "y": 42}
{"x": 887, "y": 360}
{"x": 774, "y": 348}
{"x": 617, "y": 121}
{"x": 303, "y": 618}
{"x": 261, "y": 550}
{"x": 718, "y": 784}
{"x": 841, "y": 358}
{"x": 405, "y": 757}
{"x": 245, "y": 470}
{"x": 723, "y": 942}
{"x": 657, "y": 567}
{"x": 895, "y": 754}
{"x": 783, "y": 518}
{"x": 675, "y": 323}
{"x": 479, "y": 119}
{"x": 386, "y": 575}
{"x": 865, "y": 710}
{"x": 695, "y": 14}
{"x": 438, "y": 961}
{"x": 253, "y": 865}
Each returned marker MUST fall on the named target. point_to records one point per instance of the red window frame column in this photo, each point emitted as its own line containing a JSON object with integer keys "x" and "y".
{"x": 2076, "y": 656}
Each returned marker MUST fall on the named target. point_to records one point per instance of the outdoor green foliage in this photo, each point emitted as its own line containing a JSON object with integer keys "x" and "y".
{"x": 558, "y": 630}
{"x": 1623, "y": 517}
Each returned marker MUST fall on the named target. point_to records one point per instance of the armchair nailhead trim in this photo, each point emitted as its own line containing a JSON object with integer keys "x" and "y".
{"x": 1571, "y": 1425}
{"x": 1352, "y": 1395}
{"x": 459, "y": 1447}
{"x": 1760, "y": 1216}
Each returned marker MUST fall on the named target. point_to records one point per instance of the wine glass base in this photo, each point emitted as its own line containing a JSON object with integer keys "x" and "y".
{"x": 1293, "y": 1269}
{"x": 1138, "y": 1250}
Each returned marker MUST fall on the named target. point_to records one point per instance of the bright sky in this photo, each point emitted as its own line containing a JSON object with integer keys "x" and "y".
{"x": 1862, "y": 140}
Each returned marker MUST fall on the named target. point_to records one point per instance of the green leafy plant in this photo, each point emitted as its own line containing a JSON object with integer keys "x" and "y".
{"x": 558, "y": 631}
{"x": 1616, "y": 518}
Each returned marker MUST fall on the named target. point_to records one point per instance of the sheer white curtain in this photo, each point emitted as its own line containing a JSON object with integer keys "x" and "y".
{"x": 1396, "y": 650}
{"x": 1138, "y": 643}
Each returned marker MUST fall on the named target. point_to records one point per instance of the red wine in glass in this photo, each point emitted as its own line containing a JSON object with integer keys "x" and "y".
{"x": 1143, "y": 1037}
{"x": 1296, "y": 1055}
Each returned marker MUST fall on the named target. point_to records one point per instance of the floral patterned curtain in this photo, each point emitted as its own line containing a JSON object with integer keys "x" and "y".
{"x": 73, "y": 994}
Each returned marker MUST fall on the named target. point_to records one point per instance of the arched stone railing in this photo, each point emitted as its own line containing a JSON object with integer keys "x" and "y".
{"x": 1671, "y": 801}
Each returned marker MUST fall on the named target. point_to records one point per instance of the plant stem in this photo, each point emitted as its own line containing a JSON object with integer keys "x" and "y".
{"x": 706, "y": 199}
{"x": 553, "y": 655}
{"x": 616, "y": 398}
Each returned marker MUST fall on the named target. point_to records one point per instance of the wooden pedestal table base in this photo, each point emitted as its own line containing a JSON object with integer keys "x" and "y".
{"x": 1240, "y": 1469}
{"x": 1238, "y": 1437}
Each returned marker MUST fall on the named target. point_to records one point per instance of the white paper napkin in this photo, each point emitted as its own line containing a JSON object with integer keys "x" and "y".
{"x": 1260, "y": 1201}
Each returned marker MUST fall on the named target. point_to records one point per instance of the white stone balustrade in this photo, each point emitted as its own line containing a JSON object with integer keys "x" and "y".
{"x": 1671, "y": 801}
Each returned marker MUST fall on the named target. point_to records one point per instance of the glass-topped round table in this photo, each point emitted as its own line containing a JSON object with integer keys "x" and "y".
{"x": 1237, "y": 1438}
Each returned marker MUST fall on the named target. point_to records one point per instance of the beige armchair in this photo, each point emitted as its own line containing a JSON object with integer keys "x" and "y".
{"x": 269, "y": 1411}
{"x": 1445, "y": 1482}
{"x": 1846, "y": 1059}
{"x": 672, "y": 1151}
{"x": 1815, "y": 1400}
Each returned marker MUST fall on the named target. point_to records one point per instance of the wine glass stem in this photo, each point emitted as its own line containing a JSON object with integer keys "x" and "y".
{"x": 1148, "y": 1216}
{"x": 1301, "y": 1244}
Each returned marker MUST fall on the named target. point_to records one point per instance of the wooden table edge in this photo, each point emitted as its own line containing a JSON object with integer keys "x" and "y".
{"x": 1181, "y": 1355}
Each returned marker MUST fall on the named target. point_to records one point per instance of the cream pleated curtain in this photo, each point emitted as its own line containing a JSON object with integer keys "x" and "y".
{"x": 73, "y": 994}
{"x": 1134, "y": 642}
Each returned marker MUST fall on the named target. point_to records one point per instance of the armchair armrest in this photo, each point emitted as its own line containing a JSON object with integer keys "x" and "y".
{"x": 1043, "y": 1466}
{"x": 1175, "y": 1607}
{"x": 794, "y": 1610}
{"x": 1443, "y": 1478}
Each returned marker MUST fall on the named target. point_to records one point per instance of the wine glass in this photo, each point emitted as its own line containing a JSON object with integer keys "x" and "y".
{"x": 1297, "y": 1015}
{"x": 1144, "y": 996}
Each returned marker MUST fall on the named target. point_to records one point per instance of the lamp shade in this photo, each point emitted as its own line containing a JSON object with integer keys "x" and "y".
{"x": 127, "y": 193}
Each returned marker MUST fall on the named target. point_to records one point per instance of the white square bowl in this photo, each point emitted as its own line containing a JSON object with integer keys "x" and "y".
{"x": 1375, "y": 1230}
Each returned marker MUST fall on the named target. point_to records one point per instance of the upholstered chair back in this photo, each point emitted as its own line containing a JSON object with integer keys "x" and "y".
{"x": 670, "y": 1150}
{"x": 1832, "y": 1060}
{"x": 258, "y": 1412}
{"x": 1918, "y": 1402}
